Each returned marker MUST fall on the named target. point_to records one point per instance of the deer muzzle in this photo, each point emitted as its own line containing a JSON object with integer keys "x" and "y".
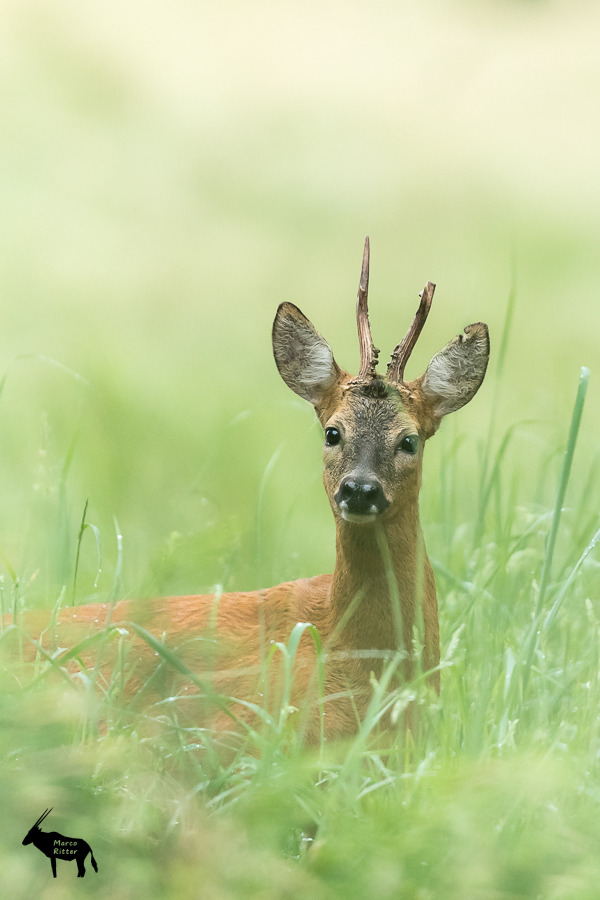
{"x": 360, "y": 499}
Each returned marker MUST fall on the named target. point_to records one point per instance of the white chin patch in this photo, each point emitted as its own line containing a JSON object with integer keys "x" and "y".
{"x": 358, "y": 520}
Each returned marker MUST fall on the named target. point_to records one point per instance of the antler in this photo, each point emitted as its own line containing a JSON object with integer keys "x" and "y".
{"x": 43, "y": 816}
{"x": 368, "y": 351}
{"x": 395, "y": 369}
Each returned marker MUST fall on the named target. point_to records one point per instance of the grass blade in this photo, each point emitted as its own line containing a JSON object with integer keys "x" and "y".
{"x": 562, "y": 484}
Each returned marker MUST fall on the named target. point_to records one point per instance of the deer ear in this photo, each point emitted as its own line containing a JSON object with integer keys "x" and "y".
{"x": 303, "y": 357}
{"x": 454, "y": 375}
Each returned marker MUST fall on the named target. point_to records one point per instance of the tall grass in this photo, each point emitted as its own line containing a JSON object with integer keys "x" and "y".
{"x": 166, "y": 185}
{"x": 495, "y": 792}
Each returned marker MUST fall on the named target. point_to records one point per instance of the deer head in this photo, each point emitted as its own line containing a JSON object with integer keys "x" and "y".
{"x": 376, "y": 427}
{"x": 35, "y": 828}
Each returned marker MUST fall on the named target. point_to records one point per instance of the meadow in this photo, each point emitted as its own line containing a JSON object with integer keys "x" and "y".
{"x": 170, "y": 175}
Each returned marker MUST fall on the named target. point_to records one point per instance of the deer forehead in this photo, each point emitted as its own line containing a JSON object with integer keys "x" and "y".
{"x": 375, "y": 412}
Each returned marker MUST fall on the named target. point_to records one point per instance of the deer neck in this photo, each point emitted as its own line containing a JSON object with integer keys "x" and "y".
{"x": 379, "y": 571}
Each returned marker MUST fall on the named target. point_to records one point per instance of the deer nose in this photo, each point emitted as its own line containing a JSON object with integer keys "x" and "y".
{"x": 361, "y": 496}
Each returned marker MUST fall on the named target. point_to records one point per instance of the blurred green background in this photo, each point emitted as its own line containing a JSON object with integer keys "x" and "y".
{"x": 170, "y": 173}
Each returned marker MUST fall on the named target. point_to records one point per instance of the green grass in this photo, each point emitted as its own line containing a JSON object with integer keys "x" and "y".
{"x": 170, "y": 173}
{"x": 496, "y": 793}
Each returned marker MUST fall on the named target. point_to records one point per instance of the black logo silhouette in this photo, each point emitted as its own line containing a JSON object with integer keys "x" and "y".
{"x": 57, "y": 846}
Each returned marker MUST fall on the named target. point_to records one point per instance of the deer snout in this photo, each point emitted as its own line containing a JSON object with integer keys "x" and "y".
{"x": 362, "y": 497}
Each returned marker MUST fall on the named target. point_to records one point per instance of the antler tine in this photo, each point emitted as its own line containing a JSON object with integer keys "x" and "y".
{"x": 368, "y": 351}
{"x": 395, "y": 369}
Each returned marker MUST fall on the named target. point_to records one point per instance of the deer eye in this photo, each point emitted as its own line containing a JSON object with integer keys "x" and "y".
{"x": 332, "y": 437}
{"x": 409, "y": 444}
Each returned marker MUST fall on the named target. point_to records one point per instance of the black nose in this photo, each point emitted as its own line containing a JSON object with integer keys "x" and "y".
{"x": 361, "y": 496}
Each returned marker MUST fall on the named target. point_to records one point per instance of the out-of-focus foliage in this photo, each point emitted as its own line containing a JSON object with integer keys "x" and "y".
{"x": 170, "y": 172}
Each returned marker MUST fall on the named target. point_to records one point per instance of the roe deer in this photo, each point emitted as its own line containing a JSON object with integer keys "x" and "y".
{"x": 375, "y": 430}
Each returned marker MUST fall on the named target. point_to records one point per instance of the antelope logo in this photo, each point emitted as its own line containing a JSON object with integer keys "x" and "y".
{"x": 57, "y": 846}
